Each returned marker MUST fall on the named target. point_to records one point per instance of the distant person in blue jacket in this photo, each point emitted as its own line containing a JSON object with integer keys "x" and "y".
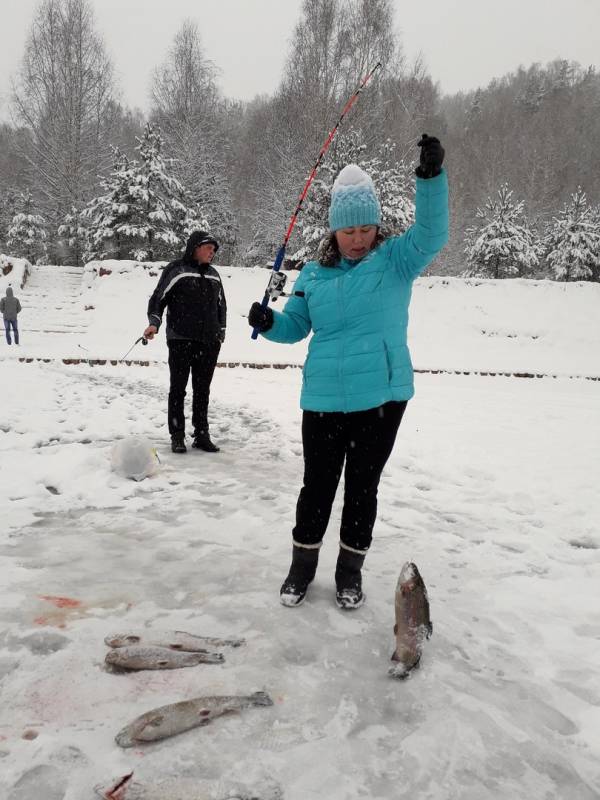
{"x": 10, "y": 308}
{"x": 358, "y": 376}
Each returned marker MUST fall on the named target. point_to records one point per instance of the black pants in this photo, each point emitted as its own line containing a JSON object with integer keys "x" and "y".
{"x": 201, "y": 359}
{"x": 365, "y": 440}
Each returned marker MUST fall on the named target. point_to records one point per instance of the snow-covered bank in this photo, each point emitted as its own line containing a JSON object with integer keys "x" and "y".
{"x": 13, "y": 272}
{"x": 511, "y": 326}
{"x": 491, "y": 489}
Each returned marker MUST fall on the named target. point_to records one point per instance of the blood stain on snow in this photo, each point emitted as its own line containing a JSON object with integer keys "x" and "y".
{"x": 61, "y": 602}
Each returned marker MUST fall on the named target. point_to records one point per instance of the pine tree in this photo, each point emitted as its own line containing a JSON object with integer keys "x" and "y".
{"x": 107, "y": 216}
{"x": 27, "y": 232}
{"x": 158, "y": 211}
{"x": 573, "y": 241}
{"x": 8, "y": 209}
{"x": 502, "y": 245}
{"x": 144, "y": 213}
{"x": 73, "y": 234}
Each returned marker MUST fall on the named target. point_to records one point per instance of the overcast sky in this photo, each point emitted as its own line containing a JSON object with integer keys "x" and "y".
{"x": 465, "y": 43}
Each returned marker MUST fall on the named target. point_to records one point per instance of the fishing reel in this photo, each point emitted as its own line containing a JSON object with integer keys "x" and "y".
{"x": 276, "y": 285}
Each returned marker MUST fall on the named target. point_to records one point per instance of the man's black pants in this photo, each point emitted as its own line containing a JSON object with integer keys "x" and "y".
{"x": 364, "y": 439}
{"x": 201, "y": 359}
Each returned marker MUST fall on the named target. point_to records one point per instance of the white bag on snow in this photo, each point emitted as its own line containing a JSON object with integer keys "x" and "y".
{"x": 134, "y": 457}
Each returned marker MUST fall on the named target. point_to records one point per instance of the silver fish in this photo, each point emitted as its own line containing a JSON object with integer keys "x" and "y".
{"x": 126, "y": 788}
{"x": 139, "y": 657}
{"x": 174, "y": 640}
{"x": 413, "y": 624}
{"x": 160, "y": 723}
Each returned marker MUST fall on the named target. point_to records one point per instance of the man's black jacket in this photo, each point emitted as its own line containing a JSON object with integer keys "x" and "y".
{"x": 195, "y": 301}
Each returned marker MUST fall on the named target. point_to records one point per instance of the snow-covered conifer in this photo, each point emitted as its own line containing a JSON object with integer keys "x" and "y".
{"x": 573, "y": 241}
{"x": 502, "y": 245}
{"x": 144, "y": 213}
{"x": 158, "y": 205}
{"x": 8, "y": 209}
{"x": 73, "y": 235}
{"x": 107, "y": 216}
{"x": 27, "y": 232}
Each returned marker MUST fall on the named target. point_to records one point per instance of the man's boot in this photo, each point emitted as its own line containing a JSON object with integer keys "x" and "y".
{"x": 348, "y": 579}
{"x": 202, "y": 441}
{"x": 302, "y": 572}
{"x": 178, "y": 443}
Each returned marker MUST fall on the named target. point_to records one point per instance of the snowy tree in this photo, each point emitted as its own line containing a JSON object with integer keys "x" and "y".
{"x": 531, "y": 96}
{"x": 391, "y": 180}
{"x": 107, "y": 216}
{"x": 27, "y": 233}
{"x": 63, "y": 96}
{"x": 192, "y": 116}
{"x": 573, "y": 241}
{"x": 8, "y": 209}
{"x": 159, "y": 209}
{"x": 144, "y": 213}
{"x": 73, "y": 235}
{"x": 502, "y": 244}
{"x": 141, "y": 215}
{"x": 334, "y": 45}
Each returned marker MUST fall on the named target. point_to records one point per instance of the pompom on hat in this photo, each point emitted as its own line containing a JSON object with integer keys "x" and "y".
{"x": 353, "y": 200}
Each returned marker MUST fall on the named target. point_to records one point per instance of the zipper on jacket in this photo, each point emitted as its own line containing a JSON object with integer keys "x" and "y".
{"x": 342, "y": 342}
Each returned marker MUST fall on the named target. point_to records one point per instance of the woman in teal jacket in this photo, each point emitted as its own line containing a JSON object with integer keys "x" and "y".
{"x": 358, "y": 376}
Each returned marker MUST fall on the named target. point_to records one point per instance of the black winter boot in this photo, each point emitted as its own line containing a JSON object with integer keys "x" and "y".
{"x": 348, "y": 579}
{"x": 202, "y": 441}
{"x": 178, "y": 444}
{"x": 302, "y": 572}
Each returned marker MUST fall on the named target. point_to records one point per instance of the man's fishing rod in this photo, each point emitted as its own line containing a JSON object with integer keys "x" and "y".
{"x": 142, "y": 339}
{"x": 278, "y": 279}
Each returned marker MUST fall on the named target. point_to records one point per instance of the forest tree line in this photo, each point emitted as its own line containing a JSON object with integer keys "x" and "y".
{"x": 83, "y": 176}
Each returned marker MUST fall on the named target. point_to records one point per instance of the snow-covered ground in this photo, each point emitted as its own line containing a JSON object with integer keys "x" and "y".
{"x": 492, "y": 490}
{"x": 540, "y": 327}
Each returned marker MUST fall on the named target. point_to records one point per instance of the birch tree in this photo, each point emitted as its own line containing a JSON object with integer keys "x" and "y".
{"x": 189, "y": 108}
{"x": 63, "y": 95}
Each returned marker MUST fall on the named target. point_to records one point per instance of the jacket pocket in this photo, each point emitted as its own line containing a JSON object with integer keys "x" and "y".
{"x": 388, "y": 361}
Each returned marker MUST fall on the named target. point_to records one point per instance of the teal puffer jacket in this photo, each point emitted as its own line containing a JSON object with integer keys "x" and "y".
{"x": 358, "y": 357}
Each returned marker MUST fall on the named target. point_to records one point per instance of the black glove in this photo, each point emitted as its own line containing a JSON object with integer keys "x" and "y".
{"x": 261, "y": 318}
{"x": 432, "y": 157}
{"x": 221, "y": 335}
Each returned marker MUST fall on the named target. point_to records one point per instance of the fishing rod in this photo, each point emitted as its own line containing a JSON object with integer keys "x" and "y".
{"x": 142, "y": 339}
{"x": 277, "y": 281}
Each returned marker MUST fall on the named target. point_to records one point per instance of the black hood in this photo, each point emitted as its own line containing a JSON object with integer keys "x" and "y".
{"x": 196, "y": 239}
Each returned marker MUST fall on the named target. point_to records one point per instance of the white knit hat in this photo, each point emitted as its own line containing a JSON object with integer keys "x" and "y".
{"x": 353, "y": 200}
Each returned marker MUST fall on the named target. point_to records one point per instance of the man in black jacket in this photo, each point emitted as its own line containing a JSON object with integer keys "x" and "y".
{"x": 192, "y": 292}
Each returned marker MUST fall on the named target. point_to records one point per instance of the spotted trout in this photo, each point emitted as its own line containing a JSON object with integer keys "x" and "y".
{"x": 166, "y": 721}
{"x": 138, "y": 657}
{"x": 174, "y": 640}
{"x": 413, "y": 624}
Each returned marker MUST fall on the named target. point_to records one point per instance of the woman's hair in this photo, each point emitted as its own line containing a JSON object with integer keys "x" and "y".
{"x": 328, "y": 252}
